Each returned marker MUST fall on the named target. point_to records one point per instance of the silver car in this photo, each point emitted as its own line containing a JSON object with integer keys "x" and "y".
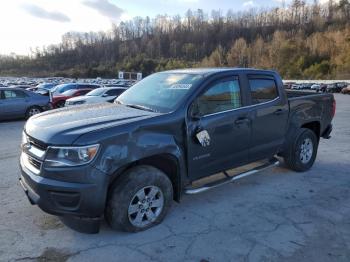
{"x": 19, "y": 103}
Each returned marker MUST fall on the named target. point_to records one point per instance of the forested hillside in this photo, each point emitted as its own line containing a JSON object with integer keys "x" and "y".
{"x": 299, "y": 40}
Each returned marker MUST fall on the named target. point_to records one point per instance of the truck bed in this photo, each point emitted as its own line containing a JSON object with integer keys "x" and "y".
{"x": 298, "y": 93}
{"x": 317, "y": 106}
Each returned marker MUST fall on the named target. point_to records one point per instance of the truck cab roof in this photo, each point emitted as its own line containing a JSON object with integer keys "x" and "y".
{"x": 212, "y": 71}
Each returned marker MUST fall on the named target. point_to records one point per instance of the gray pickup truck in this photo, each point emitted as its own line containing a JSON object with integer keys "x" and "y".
{"x": 129, "y": 160}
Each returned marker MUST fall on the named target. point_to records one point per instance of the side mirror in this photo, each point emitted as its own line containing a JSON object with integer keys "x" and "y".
{"x": 194, "y": 111}
{"x": 105, "y": 95}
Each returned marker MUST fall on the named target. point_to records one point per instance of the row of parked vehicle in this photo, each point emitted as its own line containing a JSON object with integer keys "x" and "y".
{"x": 340, "y": 87}
{"x": 22, "y": 101}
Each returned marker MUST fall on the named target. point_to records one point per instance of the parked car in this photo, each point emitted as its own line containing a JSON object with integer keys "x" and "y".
{"x": 323, "y": 88}
{"x": 17, "y": 103}
{"x": 128, "y": 160}
{"x": 288, "y": 85}
{"x": 42, "y": 87}
{"x": 20, "y": 86}
{"x": 296, "y": 86}
{"x": 65, "y": 87}
{"x": 59, "y": 100}
{"x": 99, "y": 95}
{"x": 346, "y": 90}
{"x": 335, "y": 88}
{"x": 316, "y": 87}
{"x": 307, "y": 86}
{"x": 122, "y": 83}
{"x": 48, "y": 86}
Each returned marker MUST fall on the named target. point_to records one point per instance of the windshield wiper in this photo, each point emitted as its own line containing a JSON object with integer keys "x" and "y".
{"x": 140, "y": 107}
{"x": 136, "y": 106}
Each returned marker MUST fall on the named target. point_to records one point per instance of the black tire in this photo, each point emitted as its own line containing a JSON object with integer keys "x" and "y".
{"x": 33, "y": 110}
{"x": 60, "y": 104}
{"x": 293, "y": 158}
{"x": 124, "y": 192}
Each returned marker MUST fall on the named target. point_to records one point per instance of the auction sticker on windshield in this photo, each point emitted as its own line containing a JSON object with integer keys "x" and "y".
{"x": 180, "y": 86}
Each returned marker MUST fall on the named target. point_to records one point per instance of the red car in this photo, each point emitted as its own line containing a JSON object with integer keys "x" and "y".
{"x": 58, "y": 101}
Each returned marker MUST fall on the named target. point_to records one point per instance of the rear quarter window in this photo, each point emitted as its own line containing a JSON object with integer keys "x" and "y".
{"x": 263, "y": 90}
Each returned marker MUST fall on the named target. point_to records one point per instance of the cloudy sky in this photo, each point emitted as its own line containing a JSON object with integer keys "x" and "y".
{"x": 38, "y": 23}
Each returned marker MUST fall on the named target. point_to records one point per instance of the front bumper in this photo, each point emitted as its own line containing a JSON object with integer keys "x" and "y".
{"x": 62, "y": 198}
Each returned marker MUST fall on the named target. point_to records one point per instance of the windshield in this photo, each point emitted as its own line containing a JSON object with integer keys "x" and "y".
{"x": 160, "y": 92}
{"x": 96, "y": 92}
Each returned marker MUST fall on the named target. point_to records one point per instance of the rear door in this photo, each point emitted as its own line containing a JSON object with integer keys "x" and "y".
{"x": 223, "y": 127}
{"x": 15, "y": 102}
{"x": 269, "y": 110}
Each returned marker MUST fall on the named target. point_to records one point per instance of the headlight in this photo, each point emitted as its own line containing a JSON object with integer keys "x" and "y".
{"x": 70, "y": 156}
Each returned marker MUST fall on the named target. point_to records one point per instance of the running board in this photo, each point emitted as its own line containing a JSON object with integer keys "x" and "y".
{"x": 191, "y": 191}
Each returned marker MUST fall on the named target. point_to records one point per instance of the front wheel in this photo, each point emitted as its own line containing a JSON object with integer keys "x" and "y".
{"x": 140, "y": 199}
{"x": 301, "y": 154}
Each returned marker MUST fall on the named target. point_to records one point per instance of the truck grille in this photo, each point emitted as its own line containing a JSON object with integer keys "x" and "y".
{"x": 34, "y": 162}
{"x": 33, "y": 154}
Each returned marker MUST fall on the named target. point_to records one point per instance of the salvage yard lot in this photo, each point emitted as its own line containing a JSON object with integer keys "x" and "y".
{"x": 277, "y": 215}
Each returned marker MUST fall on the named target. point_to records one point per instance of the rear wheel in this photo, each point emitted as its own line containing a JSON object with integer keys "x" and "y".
{"x": 140, "y": 199}
{"x": 60, "y": 104}
{"x": 34, "y": 110}
{"x": 302, "y": 152}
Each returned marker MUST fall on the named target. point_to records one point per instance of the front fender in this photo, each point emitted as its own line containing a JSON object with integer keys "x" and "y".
{"x": 126, "y": 150}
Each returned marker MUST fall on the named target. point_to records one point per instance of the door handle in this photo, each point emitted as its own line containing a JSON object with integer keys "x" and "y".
{"x": 243, "y": 120}
{"x": 278, "y": 112}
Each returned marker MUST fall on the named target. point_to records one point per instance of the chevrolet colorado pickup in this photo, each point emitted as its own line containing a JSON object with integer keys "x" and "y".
{"x": 129, "y": 160}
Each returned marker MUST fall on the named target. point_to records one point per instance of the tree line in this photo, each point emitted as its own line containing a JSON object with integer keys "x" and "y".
{"x": 304, "y": 41}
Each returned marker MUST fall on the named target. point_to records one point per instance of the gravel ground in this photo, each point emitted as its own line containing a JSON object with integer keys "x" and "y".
{"x": 277, "y": 215}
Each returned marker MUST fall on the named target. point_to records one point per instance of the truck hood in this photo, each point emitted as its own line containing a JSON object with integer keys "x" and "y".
{"x": 64, "y": 126}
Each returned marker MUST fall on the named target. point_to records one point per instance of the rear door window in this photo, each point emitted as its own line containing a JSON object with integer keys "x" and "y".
{"x": 13, "y": 94}
{"x": 262, "y": 90}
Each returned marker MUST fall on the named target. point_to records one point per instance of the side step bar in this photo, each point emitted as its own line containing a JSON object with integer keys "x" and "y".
{"x": 191, "y": 191}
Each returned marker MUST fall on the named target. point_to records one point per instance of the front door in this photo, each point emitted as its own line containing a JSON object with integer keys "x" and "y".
{"x": 219, "y": 135}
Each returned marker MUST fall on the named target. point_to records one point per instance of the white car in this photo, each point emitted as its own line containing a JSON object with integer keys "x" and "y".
{"x": 99, "y": 95}
{"x": 296, "y": 86}
{"x": 316, "y": 87}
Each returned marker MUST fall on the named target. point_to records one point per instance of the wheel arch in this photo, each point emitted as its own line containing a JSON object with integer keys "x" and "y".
{"x": 165, "y": 162}
{"x": 314, "y": 126}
